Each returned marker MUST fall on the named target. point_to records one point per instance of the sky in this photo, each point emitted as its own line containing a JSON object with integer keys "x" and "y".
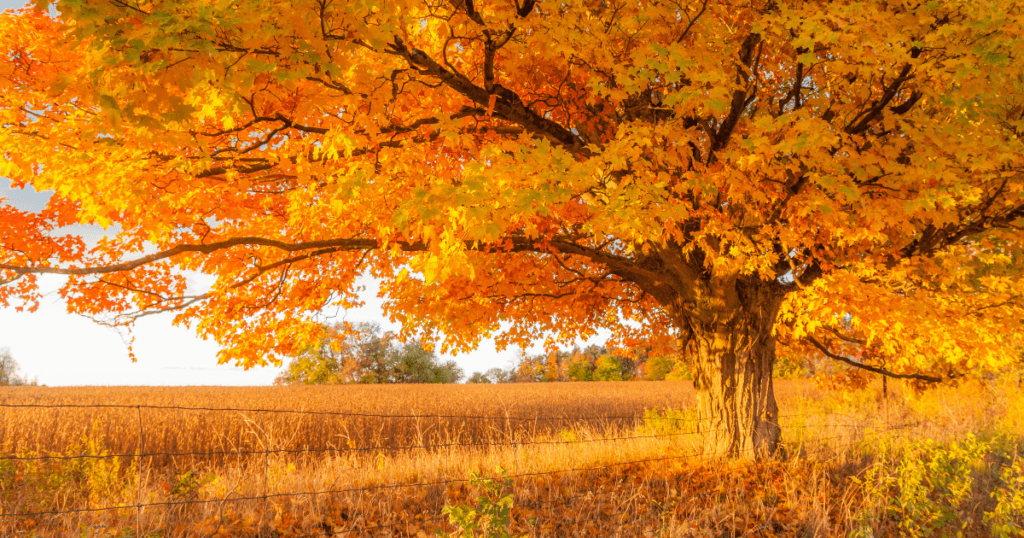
{"x": 61, "y": 349}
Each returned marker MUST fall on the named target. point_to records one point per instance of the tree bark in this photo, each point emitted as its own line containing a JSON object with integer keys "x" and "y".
{"x": 724, "y": 321}
{"x": 733, "y": 352}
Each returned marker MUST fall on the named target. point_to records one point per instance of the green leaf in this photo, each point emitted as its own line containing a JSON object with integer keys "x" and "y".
{"x": 807, "y": 58}
{"x": 849, "y": 192}
{"x": 718, "y": 105}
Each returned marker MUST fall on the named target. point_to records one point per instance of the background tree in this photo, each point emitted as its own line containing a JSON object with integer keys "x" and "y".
{"x": 362, "y": 354}
{"x": 608, "y": 368}
{"x": 657, "y": 368}
{"x": 530, "y": 369}
{"x": 592, "y": 363}
{"x": 478, "y": 377}
{"x": 581, "y": 367}
{"x": 599, "y": 363}
{"x": 698, "y": 174}
{"x": 415, "y": 364}
{"x": 9, "y": 369}
{"x": 499, "y": 375}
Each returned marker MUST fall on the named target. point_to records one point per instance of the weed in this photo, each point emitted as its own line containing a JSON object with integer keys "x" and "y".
{"x": 490, "y": 517}
{"x": 185, "y": 486}
{"x": 924, "y": 488}
{"x": 1007, "y": 519}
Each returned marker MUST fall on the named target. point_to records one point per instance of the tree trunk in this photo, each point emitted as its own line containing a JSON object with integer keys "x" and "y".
{"x": 733, "y": 355}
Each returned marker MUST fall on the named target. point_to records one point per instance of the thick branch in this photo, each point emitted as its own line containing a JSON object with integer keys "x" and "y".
{"x": 470, "y": 10}
{"x": 739, "y": 97}
{"x": 869, "y": 115}
{"x": 526, "y": 8}
{"x": 508, "y": 105}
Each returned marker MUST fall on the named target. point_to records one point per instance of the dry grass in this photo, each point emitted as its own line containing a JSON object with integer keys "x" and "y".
{"x": 539, "y": 429}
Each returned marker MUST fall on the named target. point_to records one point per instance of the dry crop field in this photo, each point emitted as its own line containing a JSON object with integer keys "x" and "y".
{"x": 581, "y": 459}
{"x": 357, "y": 416}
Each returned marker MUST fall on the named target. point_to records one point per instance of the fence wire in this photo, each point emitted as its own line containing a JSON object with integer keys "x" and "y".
{"x": 141, "y": 454}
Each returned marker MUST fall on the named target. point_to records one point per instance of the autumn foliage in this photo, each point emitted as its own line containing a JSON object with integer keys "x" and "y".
{"x": 842, "y": 177}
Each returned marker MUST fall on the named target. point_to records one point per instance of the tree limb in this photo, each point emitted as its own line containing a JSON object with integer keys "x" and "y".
{"x": 881, "y": 371}
{"x": 622, "y": 267}
{"x": 508, "y": 105}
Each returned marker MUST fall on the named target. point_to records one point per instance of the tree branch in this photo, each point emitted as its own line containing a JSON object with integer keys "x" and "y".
{"x": 869, "y": 115}
{"x": 739, "y": 97}
{"x": 336, "y": 244}
{"x": 933, "y": 239}
{"x": 622, "y": 267}
{"x": 508, "y": 105}
{"x": 881, "y": 371}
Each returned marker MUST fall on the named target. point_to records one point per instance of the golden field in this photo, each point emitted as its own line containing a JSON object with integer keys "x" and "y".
{"x": 366, "y": 416}
{"x": 255, "y": 470}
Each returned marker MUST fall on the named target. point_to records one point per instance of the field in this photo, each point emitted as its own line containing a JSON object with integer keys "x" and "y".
{"x": 581, "y": 459}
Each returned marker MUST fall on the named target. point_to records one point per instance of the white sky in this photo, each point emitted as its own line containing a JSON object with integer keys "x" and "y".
{"x": 63, "y": 349}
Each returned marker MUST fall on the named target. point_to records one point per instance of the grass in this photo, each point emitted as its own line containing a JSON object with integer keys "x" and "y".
{"x": 933, "y": 464}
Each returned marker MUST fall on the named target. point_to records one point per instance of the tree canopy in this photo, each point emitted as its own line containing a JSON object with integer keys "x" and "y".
{"x": 361, "y": 353}
{"x": 592, "y": 363}
{"x": 719, "y": 177}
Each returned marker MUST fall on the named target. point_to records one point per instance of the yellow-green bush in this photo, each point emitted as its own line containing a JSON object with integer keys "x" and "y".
{"x": 919, "y": 488}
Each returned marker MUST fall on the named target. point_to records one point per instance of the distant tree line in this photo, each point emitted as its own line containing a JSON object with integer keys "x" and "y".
{"x": 591, "y": 363}
{"x": 362, "y": 353}
{"x": 601, "y": 363}
{"x": 9, "y": 376}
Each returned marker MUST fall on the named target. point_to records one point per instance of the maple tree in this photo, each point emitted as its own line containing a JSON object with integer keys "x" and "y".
{"x": 699, "y": 175}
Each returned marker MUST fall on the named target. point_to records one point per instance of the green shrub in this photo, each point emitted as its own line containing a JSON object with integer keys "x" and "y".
{"x": 788, "y": 368}
{"x": 491, "y": 516}
{"x": 923, "y": 488}
{"x": 1007, "y": 519}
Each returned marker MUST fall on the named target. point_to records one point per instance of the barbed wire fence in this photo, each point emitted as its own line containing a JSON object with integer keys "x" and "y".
{"x": 140, "y": 455}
